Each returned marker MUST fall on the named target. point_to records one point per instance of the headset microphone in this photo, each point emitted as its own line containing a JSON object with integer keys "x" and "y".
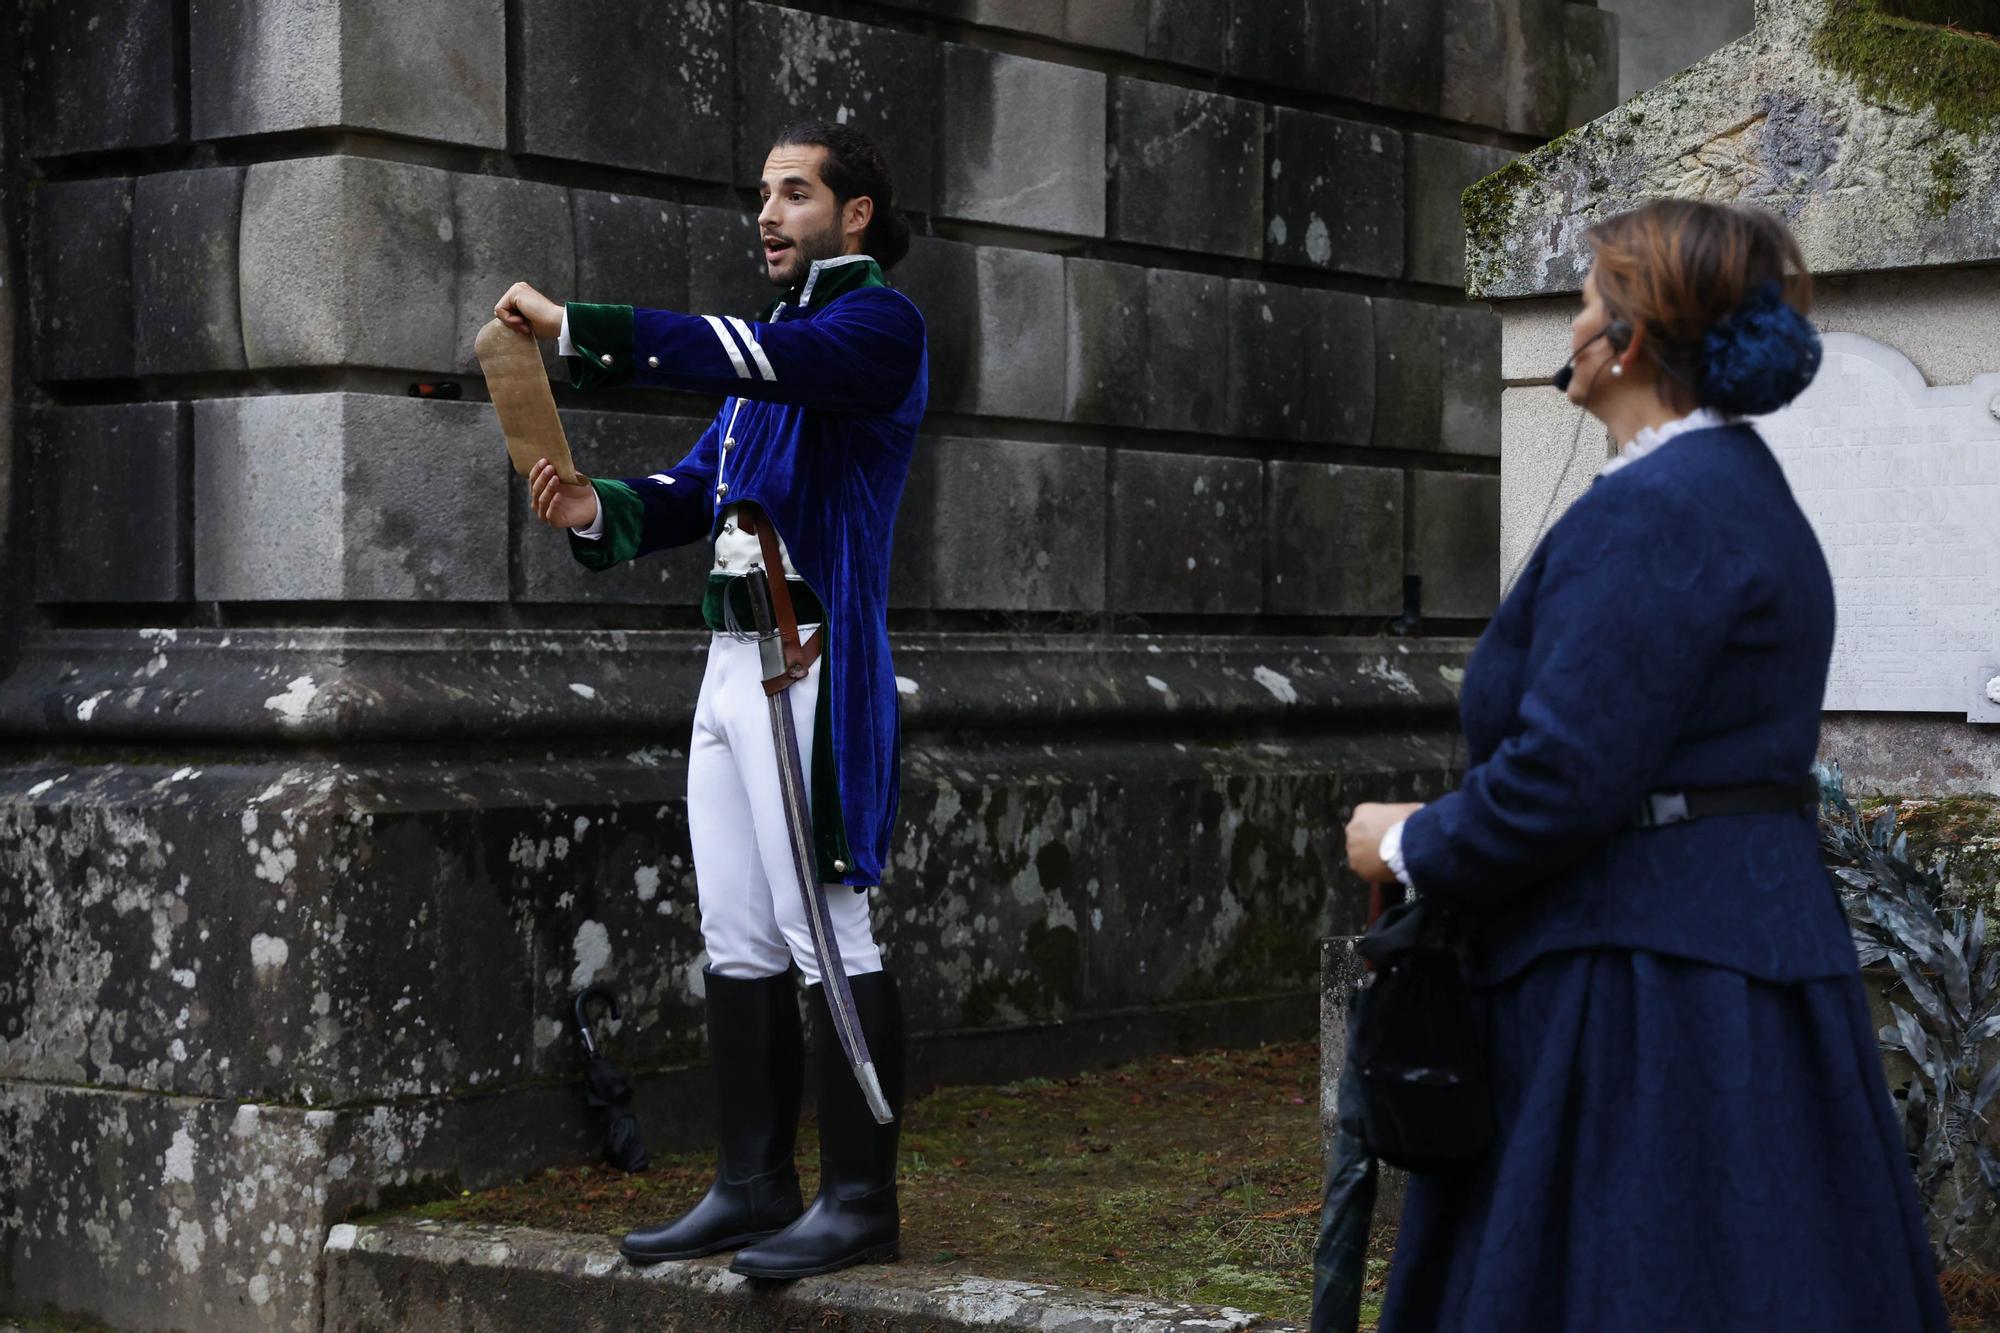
{"x": 1617, "y": 330}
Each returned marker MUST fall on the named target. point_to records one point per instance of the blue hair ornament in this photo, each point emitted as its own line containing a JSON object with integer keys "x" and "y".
{"x": 1759, "y": 357}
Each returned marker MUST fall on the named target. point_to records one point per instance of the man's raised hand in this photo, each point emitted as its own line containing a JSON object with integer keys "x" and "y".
{"x": 557, "y": 503}
{"x": 525, "y": 310}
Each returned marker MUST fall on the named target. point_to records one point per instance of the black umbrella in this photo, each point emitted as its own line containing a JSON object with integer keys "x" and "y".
{"x": 608, "y": 1088}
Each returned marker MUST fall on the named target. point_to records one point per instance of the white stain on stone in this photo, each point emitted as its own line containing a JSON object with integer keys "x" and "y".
{"x": 342, "y": 1237}
{"x": 292, "y": 704}
{"x": 268, "y": 952}
{"x": 1280, "y": 688}
{"x": 40, "y": 787}
{"x": 581, "y": 690}
{"x": 1157, "y": 683}
{"x": 593, "y": 953}
{"x": 904, "y": 685}
{"x": 88, "y": 708}
{"x": 1319, "y": 242}
{"x": 260, "y": 1290}
{"x": 180, "y": 1158}
{"x": 646, "y": 879}
{"x": 188, "y": 1245}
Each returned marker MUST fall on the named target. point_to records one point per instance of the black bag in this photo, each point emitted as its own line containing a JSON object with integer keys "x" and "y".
{"x": 1419, "y": 1046}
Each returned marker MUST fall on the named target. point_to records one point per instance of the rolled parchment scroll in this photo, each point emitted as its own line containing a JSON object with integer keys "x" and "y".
{"x": 512, "y": 364}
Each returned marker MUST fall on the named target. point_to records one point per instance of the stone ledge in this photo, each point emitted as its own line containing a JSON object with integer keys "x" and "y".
{"x": 422, "y": 1276}
{"x": 259, "y": 686}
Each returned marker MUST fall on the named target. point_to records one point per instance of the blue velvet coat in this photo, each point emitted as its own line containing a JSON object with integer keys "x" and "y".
{"x": 826, "y": 395}
{"x": 1672, "y": 631}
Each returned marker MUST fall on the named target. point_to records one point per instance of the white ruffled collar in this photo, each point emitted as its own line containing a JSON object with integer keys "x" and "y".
{"x": 1652, "y": 437}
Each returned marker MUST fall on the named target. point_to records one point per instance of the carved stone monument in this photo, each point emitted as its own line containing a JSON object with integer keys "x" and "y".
{"x": 1873, "y": 133}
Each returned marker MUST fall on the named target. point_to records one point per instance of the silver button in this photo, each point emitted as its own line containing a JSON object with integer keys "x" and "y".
{"x": 722, "y": 490}
{"x": 606, "y": 358}
{"x": 840, "y": 867}
{"x": 653, "y": 362}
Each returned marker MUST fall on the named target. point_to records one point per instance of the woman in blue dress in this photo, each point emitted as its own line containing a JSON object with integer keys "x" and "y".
{"x": 1695, "y": 1132}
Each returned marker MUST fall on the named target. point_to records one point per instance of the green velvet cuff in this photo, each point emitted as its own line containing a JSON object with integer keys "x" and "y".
{"x": 624, "y": 521}
{"x": 602, "y": 337}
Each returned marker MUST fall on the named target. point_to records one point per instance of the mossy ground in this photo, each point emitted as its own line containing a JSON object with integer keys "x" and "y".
{"x": 1965, "y": 828}
{"x": 1183, "y": 1177}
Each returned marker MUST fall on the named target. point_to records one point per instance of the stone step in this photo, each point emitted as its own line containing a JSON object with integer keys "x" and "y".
{"x": 429, "y": 1277}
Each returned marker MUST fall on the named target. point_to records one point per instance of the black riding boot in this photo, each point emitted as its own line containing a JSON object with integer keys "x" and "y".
{"x": 854, "y": 1219}
{"x": 758, "y": 1052}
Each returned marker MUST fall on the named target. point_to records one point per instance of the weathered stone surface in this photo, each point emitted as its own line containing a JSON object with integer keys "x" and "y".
{"x": 1551, "y": 451}
{"x": 725, "y": 265}
{"x": 1267, "y": 359}
{"x": 1656, "y": 42}
{"x": 1023, "y": 142}
{"x": 1408, "y": 375}
{"x": 912, "y": 568}
{"x": 80, "y": 279}
{"x": 1187, "y": 169}
{"x": 1020, "y": 526}
{"x": 1408, "y": 70}
{"x": 650, "y": 87}
{"x": 423, "y": 1277}
{"x": 327, "y": 237}
{"x": 1107, "y": 342}
{"x": 942, "y": 278}
{"x": 264, "y": 66}
{"x": 810, "y": 67}
{"x": 370, "y": 533}
{"x": 1182, "y": 526}
{"x": 1591, "y": 36}
{"x": 508, "y": 231}
{"x": 100, "y": 77}
{"x": 1114, "y": 25}
{"x": 184, "y": 257}
{"x": 1469, "y": 408}
{"x": 1505, "y": 64}
{"x": 1187, "y": 32}
{"x": 1767, "y": 122}
{"x": 1439, "y": 170}
{"x": 1457, "y": 544}
{"x": 1340, "y": 350}
{"x": 1336, "y": 194}
{"x": 993, "y": 348}
{"x": 1333, "y": 540}
{"x": 630, "y": 250}
{"x": 110, "y": 500}
{"x": 1187, "y": 384}
{"x": 1042, "y": 17}
{"x": 1321, "y": 46}
{"x": 609, "y": 444}
{"x": 1537, "y": 69}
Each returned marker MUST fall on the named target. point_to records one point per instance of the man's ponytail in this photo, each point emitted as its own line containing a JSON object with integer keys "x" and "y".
{"x": 855, "y": 167}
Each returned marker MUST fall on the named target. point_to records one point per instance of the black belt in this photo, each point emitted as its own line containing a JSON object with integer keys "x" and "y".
{"x": 1770, "y": 798}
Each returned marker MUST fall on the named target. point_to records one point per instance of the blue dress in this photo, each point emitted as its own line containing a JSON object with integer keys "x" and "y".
{"x": 1694, "y": 1127}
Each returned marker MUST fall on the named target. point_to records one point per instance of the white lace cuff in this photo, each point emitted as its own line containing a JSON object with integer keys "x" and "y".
{"x": 564, "y": 347}
{"x": 1392, "y": 853}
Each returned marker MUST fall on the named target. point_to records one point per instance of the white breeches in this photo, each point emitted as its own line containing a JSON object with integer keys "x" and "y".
{"x": 752, "y": 918}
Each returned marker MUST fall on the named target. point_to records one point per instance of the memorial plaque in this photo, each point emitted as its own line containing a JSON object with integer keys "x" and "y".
{"x": 1902, "y": 483}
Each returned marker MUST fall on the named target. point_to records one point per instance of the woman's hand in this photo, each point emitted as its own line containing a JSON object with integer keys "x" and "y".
{"x": 525, "y": 310}
{"x": 556, "y": 502}
{"x": 1364, "y": 838}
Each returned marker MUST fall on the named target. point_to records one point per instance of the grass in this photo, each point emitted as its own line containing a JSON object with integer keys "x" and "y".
{"x": 1190, "y": 1178}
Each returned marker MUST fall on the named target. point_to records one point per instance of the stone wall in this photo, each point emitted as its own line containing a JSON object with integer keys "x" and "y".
{"x": 327, "y": 778}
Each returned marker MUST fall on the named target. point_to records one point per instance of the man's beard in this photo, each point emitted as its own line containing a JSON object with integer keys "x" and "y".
{"x": 827, "y": 244}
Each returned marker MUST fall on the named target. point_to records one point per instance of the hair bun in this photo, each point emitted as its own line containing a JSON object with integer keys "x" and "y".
{"x": 1759, "y": 357}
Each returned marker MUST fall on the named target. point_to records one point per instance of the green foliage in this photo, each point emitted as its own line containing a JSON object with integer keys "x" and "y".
{"x": 1899, "y": 912}
{"x": 1905, "y": 60}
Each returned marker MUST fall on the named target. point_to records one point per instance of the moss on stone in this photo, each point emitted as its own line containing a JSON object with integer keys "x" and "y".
{"x": 1947, "y": 183}
{"x": 1491, "y": 206}
{"x": 1910, "y": 63}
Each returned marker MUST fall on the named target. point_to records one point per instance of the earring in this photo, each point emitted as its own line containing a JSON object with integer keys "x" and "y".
{"x": 1616, "y": 370}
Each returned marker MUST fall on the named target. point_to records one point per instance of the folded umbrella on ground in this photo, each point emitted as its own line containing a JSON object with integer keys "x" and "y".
{"x": 608, "y": 1089}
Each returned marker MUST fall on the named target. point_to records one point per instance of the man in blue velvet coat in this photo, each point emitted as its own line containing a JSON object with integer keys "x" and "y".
{"x": 824, "y": 394}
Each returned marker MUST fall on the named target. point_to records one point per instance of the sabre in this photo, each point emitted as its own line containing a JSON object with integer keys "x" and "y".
{"x": 786, "y": 663}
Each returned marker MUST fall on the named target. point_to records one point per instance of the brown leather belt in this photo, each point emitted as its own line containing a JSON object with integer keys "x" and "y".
{"x": 795, "y": 659}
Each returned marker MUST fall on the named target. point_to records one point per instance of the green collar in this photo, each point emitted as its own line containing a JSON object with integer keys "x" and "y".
{"x": 828, "y": 279}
